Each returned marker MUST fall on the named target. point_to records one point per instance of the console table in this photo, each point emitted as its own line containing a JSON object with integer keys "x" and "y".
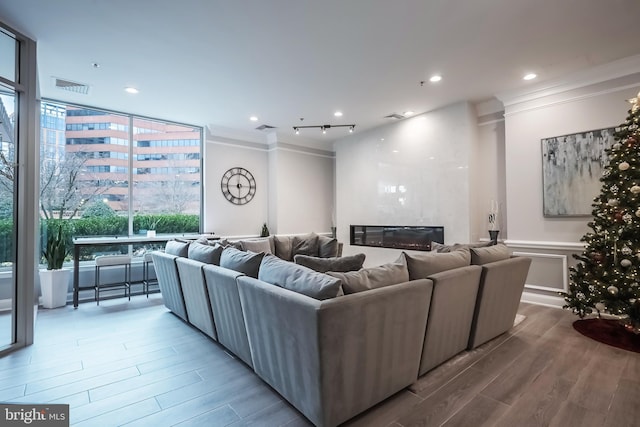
{"x": 79, "y": 242}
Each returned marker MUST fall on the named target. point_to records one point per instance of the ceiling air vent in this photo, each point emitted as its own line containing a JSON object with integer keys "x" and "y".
{"x": 394, "y": 116}
{"x": 72, "y": 86}
{"x": 265, "y": 127}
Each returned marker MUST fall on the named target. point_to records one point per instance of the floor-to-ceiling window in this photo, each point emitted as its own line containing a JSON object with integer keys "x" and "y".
{"x": 18, "y": 168}
{"x": 7, "y": 213}
{"x": 109, "y": 173}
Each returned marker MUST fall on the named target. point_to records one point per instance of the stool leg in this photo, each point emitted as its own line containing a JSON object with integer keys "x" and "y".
{"x": 97, "y": 287}
{"x": 146, "y": 279}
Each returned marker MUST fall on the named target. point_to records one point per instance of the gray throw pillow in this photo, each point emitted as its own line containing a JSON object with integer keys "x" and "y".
{"x": 298, "y": 278}
{"x": 340, "y": 264}
{"x": 243, "y": 262}
{"x": 174, "y": 247}
{"x": 327, "y": 247}
{"x": 305, "y": 245}
{"x": 202, "y": 240}
{"x": 489, "y": 254}
{"x": 284, "y": 250}
{"x": 205, "y": 253}
{"x": 257, "y": 245}
{"x": 226, "y": 243}
{"x": 372, "y": 277}
{"x": 440, "y": 248}
{"x": 422, "y": 266}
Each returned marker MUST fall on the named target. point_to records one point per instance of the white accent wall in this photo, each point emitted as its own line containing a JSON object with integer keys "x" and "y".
{"x": 302, "y": 195}
{"x": 413, "y": 172}
{"x": 294, "y": 187}
{"x": 222, "y": 217}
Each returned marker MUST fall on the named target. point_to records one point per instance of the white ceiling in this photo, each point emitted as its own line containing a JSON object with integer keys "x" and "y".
{"x": 217, "y": 62}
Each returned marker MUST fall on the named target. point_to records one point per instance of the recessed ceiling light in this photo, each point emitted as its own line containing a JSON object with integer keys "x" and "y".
{"x": 338, "y": 114}
{"x": 408, "y": 113}
{"x": 131, "y": 89}
{"x": 435, "y": 78}
{"x": 530, "y": 76}
{"x": 253, "y": 118}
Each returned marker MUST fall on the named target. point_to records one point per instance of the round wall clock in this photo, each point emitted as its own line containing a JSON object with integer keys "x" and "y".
{"x": 238, "y": 186}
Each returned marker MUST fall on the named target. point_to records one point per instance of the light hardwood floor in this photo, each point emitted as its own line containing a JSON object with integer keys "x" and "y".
{"x": 136, "y": 364}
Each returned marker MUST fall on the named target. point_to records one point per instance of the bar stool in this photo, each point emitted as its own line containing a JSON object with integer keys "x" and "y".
{"x": 111, "y": 262}
{"x": 147, "y": 281}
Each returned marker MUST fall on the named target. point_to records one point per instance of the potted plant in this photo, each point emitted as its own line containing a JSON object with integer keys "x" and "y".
{"x": 151, "y": 228}
{"x": 54, "y": 281}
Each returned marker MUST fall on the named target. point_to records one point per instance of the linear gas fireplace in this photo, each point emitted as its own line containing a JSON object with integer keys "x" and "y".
{"x": 417, "y": 238}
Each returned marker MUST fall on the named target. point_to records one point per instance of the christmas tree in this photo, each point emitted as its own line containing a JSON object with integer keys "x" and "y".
{"x": 605, "y": 280}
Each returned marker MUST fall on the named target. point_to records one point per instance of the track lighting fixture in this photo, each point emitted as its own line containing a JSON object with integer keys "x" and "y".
{"x": 324, "y": 128}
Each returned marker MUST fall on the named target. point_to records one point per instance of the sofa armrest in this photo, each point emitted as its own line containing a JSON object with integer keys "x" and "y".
{"x": 335, "y": 358}
{"x": 450, "y": 316}
{"x": 498, "y": 299}
{"x": 169, "y": 283}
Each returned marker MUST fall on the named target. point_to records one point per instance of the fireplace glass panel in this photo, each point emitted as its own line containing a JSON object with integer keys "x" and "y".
{"x": 417, "y": 238}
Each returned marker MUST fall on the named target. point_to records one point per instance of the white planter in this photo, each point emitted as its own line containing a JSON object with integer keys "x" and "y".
{"x": 54, "y": 285}
{"x": 151, "y": 233}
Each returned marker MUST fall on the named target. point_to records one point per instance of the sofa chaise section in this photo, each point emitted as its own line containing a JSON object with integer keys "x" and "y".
{"x": 501, "y": 286}
{"x": 196, "y": 296}
{"x": 333, "y": 359}
{"x": 169, "y": 283}
{"x": 225, "y": 303}
{"x": 450, "y": 315}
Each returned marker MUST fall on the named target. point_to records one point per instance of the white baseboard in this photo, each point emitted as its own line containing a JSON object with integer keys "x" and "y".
{"x": 539, "y": 299}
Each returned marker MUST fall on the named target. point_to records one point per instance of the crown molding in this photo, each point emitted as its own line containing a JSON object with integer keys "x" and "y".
{"x": 586, "y": 77}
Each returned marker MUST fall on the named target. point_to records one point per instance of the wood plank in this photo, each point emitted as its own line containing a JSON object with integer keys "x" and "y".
{"x": 278, "y": 414}
{"x": 216, "y": 418}
{"x": 130, "y": 394}
{"x": 625, "y": 405}
{"x": 442, "y": 404}
{"x": 539, "y": 404}
{"x": 481, "y": 411}
{"x": 387, "y": 411}
{"x": 120, "y": 416}
{"x": 571, "y": 414}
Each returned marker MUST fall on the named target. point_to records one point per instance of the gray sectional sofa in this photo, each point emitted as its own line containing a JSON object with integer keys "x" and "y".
{"x": 335, "y": 344}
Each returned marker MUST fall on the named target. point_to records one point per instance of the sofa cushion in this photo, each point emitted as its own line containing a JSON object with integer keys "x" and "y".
{"x": 339, "y": 264}
{"x": 243, "y": 262}
{"x": 202, "y": 240}
{"x": 372, "y": 277}
{"x": 422, "y": 266}
{"x": 205, "y": 253}
{"x": 489, "y": 254}
{"x": 257, "y": 245}
{"x": 225, "y": 243}
{"x": 174, "y": 247}
{"x": 298, "y": 278}
{"x": 440, "y": 248}
{"x": 327, "y": 247}
{"x": 305, "y": 245}
{"x": 284, "y": 249}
